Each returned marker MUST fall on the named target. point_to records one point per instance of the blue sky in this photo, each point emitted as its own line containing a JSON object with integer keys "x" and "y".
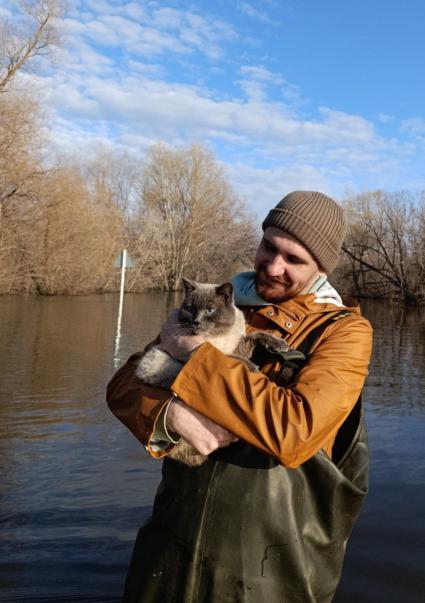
{"x": 322, "y": 94}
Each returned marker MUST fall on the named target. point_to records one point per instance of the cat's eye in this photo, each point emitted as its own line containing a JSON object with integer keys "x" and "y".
{"x": 209, "y": 311}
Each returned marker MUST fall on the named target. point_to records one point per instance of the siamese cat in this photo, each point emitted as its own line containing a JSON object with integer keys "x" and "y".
{"x": 207, "y": 310}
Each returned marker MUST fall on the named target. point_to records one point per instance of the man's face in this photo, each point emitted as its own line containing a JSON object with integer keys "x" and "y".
{"x": 284, "y": 268}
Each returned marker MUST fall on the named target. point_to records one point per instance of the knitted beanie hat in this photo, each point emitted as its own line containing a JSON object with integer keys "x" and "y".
{"x": 316, "y": 220}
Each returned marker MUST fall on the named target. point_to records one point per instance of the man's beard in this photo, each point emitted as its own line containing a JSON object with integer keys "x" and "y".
{"x": 274, "y": 293}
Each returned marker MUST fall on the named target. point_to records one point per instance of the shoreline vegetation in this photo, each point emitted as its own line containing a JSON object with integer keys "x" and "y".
{"x": 58, "y": 248}
{"x": 62, "y": 225}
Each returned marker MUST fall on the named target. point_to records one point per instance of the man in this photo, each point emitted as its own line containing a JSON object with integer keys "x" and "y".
{"x": 267, "y": 517}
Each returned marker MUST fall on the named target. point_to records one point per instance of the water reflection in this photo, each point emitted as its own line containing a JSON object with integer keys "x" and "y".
{"x": 397, "y": 377}
{"x": 76, "y": 485}
{"x": 385, "y": 557}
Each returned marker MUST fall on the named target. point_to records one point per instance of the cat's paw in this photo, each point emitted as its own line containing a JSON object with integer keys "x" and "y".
{"x": 276, "y": 345}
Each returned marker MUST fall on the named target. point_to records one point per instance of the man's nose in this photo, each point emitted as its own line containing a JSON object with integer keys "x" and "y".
{"x": 276, "y": 267}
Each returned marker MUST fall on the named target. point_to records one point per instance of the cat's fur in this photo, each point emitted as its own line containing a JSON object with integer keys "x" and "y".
{"x": 207, "y": 310}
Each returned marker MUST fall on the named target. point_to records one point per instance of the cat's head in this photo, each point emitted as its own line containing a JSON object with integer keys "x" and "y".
{"x": 207, "y": 309}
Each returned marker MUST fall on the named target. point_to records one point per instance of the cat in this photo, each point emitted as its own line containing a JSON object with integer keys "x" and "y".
{"x": 207, "y": 310}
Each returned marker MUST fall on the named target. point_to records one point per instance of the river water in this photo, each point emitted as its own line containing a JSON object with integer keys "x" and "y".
{"x": 76, "y": 485}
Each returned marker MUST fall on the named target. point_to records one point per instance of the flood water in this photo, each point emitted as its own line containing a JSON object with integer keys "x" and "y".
{"x": 76, "y": 485}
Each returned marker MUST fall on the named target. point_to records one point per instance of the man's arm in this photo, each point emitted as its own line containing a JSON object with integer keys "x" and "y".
{"x": 137, "y": 405}
{"x": 290, "y": 423}
{"x": 141, "y": 407}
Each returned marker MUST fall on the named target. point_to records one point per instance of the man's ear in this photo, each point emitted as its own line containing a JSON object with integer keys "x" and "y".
{"x": 225, "y": 291}
{"x": 188, "y": 285}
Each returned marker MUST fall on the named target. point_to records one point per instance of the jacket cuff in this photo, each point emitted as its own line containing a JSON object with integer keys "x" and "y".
{"x": 160, "y": 433}
{"x": 162, "y": 441}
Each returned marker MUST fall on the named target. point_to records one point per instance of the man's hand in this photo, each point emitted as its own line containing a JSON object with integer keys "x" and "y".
{"x": 174, "y": 339}
{"x": 197, "y": 430}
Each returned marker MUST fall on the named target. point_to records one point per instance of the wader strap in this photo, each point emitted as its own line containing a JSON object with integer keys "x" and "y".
{"x": 307, "y": 343}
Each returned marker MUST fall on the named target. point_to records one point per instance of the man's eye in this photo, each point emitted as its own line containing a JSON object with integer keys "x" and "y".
{"x": 269, "y": 246}
{"x": 210, "y": 311}
{"x": 295, "y": 259}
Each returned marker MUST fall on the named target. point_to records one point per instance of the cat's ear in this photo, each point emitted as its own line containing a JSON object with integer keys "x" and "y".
{"x": 226, "y": 291}
{"x": 188, "y": 285}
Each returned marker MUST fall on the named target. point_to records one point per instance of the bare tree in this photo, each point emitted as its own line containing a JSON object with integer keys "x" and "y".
{"x": 116, "y": 178}
{"x": 190, "y": 222}
{"x": 384, "y": 247}
{"x": 62, "y": 241}
{"x": 31, "y": 36}
{"x": 20, "y": 145}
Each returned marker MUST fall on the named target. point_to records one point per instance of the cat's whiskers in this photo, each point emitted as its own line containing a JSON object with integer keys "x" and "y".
{"x": 181, "y": 332}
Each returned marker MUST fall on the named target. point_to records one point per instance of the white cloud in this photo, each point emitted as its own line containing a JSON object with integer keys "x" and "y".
{"x": 253, "y": 12}
{"x": 334, "y": 143}
{"x": 102, "y": 6}
{"x": 5, "y": 13}
{"x": 383, "y": 118}
{"x": 414, "y": 126}
{"x": 146, "y": 68}
{"x": 264, "y": 187}
{"x": 106, "y": 91}
{"x": 258, "y": 72}
{"x": 259, "y": 78}
{"x": 151, "y": 30}
{"x": 135, "y": 11}
{"x": 253, "y": 90}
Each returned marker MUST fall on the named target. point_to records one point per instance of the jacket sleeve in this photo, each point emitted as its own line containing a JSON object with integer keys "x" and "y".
{"x": 291, "y": 423}
{"x": 137, "y": 405}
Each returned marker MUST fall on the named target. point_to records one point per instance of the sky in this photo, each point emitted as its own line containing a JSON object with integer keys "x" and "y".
{"x": 300, "y": 94}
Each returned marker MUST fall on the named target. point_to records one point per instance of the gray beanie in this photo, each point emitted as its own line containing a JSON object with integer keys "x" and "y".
{"x": 315, "y": 220}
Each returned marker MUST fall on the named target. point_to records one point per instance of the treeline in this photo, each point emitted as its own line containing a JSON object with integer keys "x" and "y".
{"x": 62, "y": 226}
{"x": 384, "y": 253}
{"x": 62, "y": 229}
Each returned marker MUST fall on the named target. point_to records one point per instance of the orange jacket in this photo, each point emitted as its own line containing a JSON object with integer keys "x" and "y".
{"x": 290, "y": 423}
